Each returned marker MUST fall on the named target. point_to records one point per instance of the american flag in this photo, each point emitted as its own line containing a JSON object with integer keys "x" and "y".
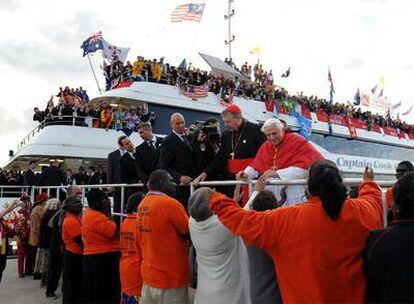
{"x": 195, "y": 92}
{"x": 226, "y": 97}
{"x": 189, "y": 12}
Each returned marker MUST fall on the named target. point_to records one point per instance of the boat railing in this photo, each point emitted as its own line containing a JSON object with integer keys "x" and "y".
{"x": 59, "y": 192}
{"x": 67, "y": 120}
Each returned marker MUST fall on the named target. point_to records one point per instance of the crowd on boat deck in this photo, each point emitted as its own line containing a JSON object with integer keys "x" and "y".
{"x": 278, "y": 244}
{"x": 72, "y": 110}
{"x": 258, "y": 84}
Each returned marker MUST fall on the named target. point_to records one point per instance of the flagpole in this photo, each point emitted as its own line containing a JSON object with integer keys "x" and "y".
{"x": 94, "y": 75}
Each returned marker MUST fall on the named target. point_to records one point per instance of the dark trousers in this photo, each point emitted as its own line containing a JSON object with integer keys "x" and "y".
{"x": 22, "y": 256}
{"x": 182, "y": 195}
{"x": 31, "y": 258}
{"x": 100, "y": 278}
{"x": 54, "y": 270}
{"x": 3, "y": 260}
{"x": 72, "y": 277}
{"x": 117, "y": 205}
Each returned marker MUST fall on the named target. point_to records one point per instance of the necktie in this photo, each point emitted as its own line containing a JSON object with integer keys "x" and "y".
{"x": 151, "y": 145}
{"x": 187, "y": 143}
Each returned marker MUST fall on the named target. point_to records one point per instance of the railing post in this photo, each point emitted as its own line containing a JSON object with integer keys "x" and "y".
{"x": 122, "y": 201}
{"x": 58, "y": 194}
{"x": 191, "y": 189}
{"x": 250, "y": 187}
{"x": 1, "y": 191}
{"x": 48, "y": 191}
{"x": 83, "y": 196}
{"x": 384, "y": 209}
{"x": 32, "y": 194}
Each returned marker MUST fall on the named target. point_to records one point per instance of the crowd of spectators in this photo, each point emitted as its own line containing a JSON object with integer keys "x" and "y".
{"x": 257, "y": 84}
{"x": 71, "y": 109}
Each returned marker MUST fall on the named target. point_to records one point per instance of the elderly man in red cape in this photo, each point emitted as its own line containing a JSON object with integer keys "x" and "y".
{"x": 283, "y": 155}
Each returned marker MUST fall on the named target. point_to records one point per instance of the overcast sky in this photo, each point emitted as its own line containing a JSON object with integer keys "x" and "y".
{"x": 360, "y": 40}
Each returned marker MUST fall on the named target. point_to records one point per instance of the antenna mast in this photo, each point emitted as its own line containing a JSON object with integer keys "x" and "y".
{"x": 231, "y": 38}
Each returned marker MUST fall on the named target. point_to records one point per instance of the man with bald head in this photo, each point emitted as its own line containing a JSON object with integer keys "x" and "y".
{"x": 177, "y": 157}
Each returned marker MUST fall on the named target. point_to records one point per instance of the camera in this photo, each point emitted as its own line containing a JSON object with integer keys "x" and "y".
{"x": 210, "y": 129}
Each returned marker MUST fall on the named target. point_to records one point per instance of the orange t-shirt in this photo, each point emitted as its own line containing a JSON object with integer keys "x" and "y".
{"x": 98, "y": 233}
{"x": 389, "y": 198}
{"x": 71, "y": 229}
{"x": 317, "y": 260}
{"x": 162, "y": 230}
{"x": 131, "y": 257}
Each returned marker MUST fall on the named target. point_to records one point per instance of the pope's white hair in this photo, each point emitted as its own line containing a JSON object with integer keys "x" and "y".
{"x": 272, "y": 122}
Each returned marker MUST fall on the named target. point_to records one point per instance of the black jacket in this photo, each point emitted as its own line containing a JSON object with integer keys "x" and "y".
{"x": 51, "y": 176}
{"x": 95, "y": 179}
{"x": 389, "y": 263}
{"x": 177, "y": 158}
{"x": 129, "y": 173}
{"x": 114, "y": 167}
{"x": 29, "y": 178}
{"x": 147, "y": 159}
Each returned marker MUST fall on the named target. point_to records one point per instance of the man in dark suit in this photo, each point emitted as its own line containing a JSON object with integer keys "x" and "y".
{"x": 29, "y": 178}
{"x": 147, "y": 154}
{"x": 114, "y": 172}
{"x": 94, "y": 177}
{"x": 177, "y": 156}
{"x": 52, "y": 176}
{"x": 129, "y": 174}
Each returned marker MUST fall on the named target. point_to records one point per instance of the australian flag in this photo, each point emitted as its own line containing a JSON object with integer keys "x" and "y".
{"x": 92, "y": 44}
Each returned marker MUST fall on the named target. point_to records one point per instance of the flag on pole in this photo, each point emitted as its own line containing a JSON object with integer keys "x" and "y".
{"x": 408, "y": 111}
{"x": 305, "y": 126}
{"x": 111, "y": 51}
{"x": 92, "y": 44}
{"x": 382, "y": 80}
{"x": 396, "y": 106}
{"x": 188, "y": 12}
{"x": 357, "y": 98}
{"x": 381, "y": 93}
{"x": 331, "y": 89}
{"x": 374, "y": 89}
{"x": 287, "y": 73}
{"x": 256, "y": 51}
{"x": 183, "y": 64}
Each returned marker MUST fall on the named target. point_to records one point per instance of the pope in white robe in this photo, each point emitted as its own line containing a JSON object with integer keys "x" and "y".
{"x": 285, "y": 156}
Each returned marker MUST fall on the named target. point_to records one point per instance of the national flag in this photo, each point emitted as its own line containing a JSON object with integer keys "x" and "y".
{"x": 357, "y": 98}
{"x": 92, "y": 44}
{"x": 287, "y": 73}
{"x": 408, "y": 111}
{"x": 331, "y": 89}
{"x": 194, "y": 91}
{"x": 110, "y": 51}
{"x": 396, "y": 105}
{"x": 374, "y": 89}
{"x": 183, "y": 64}
{"x": 305, "y": 126}
{"x": 189, "y": 12}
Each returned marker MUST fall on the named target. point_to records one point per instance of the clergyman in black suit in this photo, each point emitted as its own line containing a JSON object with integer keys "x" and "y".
{"x": 147, "y": 154}
{"x": 177, "y": 156}
{"x": 129, "y": 174}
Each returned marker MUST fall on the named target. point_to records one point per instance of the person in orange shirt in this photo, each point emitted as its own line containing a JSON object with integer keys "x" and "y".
{"x": 131, "y": 257}
{"x": 100, "y": 236}
{"x": 72, "y": 240}
{"x": 316, "y": 246}
{"x": 163, "y": 234}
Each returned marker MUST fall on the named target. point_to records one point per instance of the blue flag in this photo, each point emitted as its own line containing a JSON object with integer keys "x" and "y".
{"x": 305, "y": 126}
{"x": 357, "y": 98}
{"x": 183, "y": 64}
{"x": 92, "y": 44}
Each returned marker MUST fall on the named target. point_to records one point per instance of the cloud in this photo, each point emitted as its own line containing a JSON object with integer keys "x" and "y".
{"x": 9, "y": 5}
{"x": 15, "y": 123}
{"x": 407, "y": 67}
{"x": 354, "y": 63}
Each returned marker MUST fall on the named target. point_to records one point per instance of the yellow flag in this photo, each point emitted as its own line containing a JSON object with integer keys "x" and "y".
{"x": 382, "y": 80}
{"x": 255, "y": 50}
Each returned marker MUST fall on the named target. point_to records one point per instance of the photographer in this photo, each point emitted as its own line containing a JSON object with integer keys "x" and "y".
{"x": 205, "y": 139}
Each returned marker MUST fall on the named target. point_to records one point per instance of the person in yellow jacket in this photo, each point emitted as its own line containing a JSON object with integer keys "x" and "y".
{"x": 156, "y": 71}
{"x": 138, "y": 66}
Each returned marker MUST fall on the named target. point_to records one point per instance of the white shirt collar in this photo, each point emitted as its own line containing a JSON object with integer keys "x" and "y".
{"x": 179, "y": 135}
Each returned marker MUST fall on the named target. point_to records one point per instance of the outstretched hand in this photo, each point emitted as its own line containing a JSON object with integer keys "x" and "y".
{"x": 368, "y": 174}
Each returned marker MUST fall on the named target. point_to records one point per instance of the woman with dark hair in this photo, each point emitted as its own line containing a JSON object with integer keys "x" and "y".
{"x": 100, "y": 236}
{"x": 73, "y": 257}
{"x": 316, "y": 246}
{"x": 131, "y": 254}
